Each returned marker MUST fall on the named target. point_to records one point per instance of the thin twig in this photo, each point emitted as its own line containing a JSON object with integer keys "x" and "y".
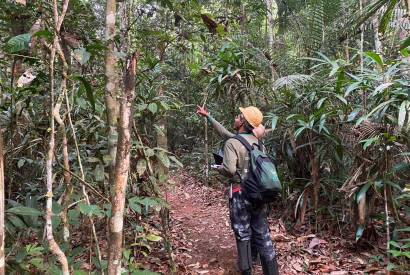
{"x": 87, "y": 199}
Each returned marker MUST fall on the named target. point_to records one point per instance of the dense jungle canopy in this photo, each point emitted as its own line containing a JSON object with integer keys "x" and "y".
{"x": 105, "y": 167}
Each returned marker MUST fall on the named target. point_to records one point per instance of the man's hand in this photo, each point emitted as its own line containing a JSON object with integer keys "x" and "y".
{"x": 202, "y": 111}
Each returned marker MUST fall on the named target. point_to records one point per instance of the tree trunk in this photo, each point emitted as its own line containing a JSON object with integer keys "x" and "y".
{"x": 54, "y": 247}
{"x": 2, "y": 233}
{"x": 111, "y": 86}
{"x": 271, "y": 37}
{"x": 122, "y": 166}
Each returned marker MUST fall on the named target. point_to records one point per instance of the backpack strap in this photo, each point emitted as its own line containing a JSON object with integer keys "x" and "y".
{"x": 244, "y": 142}
{"x": 248, "y": 147}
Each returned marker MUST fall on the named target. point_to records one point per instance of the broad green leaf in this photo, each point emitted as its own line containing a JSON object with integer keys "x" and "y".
{"x": 176, "y": 161}
{"x": 18, "y": 43}
{"x": 44, "y": 34}
{"x": 352, "y": 87}
{"x": 16, "y": 221}
{"x": 24, "y": 211}
{"x": 404, "y": 52}
{"x": 141, "y": 107}
{"x": 341, "y": 98}
{"x": 135, "y": 206}
{"x": 88, "y": 90}
{"x": 150, "y": 202}
{"x": 154, "y": 238}
{"x": 377, "y": 108}
{"x": 368, "y": 142}
{"x": 153, "y": 107}
{"x": 353, "y": 114}
{"x": 375, "y": 57}
{"x": 362, "y": 192}
{"x": 21, "y": 162}
{"x": 394, "y": 244}
{"x": 274, "y": 121}
{"x": 320, "y": 102}
{"x": 382, "y": 87}
{"x": 405, "y": 43}
{"x": 164, "y": 105}
{"x": 299, "y": 131}
{"x": 141, "y": 166}
{"x": 81, "y": 55}
{"x": 91, "y": 210}
{"x": 163, "y": 158}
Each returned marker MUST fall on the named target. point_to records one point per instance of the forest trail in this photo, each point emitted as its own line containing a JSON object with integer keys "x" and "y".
{"x": 203, "y": 242}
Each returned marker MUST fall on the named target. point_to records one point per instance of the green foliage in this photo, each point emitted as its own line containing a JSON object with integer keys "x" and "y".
{"x": 19, "y": 43}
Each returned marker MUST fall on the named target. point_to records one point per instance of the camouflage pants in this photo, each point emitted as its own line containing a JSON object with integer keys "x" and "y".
{"x": 249, "y": 223}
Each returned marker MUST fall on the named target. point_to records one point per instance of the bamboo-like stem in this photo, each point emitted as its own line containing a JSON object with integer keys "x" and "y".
{"x": 386, "y": 209}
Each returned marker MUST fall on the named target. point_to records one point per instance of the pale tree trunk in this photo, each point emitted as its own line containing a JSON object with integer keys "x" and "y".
{"x": 66, "y": 162}
{"x": 361, "y": 37}
{"x": 271, "y": 37}
{"x": 2, "y": 233}
{"x": 54, "y": 247}
{"x": 122, "y": 166}
{"x": 111, "y": 86}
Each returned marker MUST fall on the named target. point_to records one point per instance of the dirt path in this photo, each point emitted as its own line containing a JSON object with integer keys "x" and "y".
{"x": 203, "y": 242}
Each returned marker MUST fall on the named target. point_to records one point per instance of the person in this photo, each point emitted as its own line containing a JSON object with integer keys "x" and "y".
{"x": 248, "y": 220}
{"x": 258, "y": 132}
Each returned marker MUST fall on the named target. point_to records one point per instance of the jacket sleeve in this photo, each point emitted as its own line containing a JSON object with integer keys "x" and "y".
{"x": 230, "y": 159}
{"x": 222, "y": 131}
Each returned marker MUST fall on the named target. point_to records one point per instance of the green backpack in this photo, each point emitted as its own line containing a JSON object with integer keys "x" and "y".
{"x": 261, "y": 183}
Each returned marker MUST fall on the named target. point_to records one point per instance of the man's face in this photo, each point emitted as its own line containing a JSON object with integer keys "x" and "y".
{"x": 239, "y": 120}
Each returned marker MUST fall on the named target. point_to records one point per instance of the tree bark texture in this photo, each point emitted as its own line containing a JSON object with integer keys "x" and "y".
{"x": 2, "y": 233}
{"x": 53, "y": 246}
{"x": 122, "y": 166}
{"x": 111, "y": 85}
{"x": 271, "y": 36}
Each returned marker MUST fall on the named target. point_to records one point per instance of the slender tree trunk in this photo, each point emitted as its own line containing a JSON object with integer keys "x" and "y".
{"x": 111, "y": 86}
{"x": 2, "y": 233}
{"x": 122, "y": 166}
{"x": 67, "y": 176}
{"x": 54, "y": 247}
{"x": 271, "y": 37}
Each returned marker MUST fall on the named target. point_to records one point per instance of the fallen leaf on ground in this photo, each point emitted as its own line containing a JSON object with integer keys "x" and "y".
{"x": 280, "y": 238}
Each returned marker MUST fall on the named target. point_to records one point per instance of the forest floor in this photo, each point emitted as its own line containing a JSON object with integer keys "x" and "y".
{"x": 203, "y": 242}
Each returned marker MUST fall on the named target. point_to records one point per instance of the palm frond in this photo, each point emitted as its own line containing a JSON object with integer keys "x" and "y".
{"x": 292, "y": 81}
